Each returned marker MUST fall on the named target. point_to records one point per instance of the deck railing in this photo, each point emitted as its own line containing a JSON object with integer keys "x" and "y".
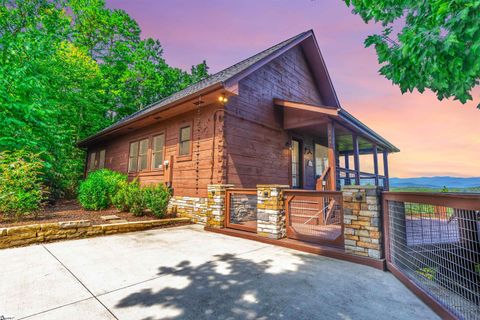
{"x": 432, "y": 245}
{"x": 349, "y": 177}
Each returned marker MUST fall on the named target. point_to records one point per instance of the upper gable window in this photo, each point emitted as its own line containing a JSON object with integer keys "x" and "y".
{"x": 185, "y": 140}
{"x": 157, "y": 151}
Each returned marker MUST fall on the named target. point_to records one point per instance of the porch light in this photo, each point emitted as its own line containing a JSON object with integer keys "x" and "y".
{"x": 223, "y": 99}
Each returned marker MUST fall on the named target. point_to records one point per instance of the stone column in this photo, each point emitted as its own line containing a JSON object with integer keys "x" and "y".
{"x": 216, "y": 205}
{"x": 362, "y": 221}
{"x": 271, "y": 211}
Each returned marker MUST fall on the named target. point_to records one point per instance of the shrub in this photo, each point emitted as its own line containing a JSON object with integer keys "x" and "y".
{"x": 96, "y": 192}
{"x": 156, "y": 199}
{"x": 130, "y": 197}
{"x": 21, "y": 188}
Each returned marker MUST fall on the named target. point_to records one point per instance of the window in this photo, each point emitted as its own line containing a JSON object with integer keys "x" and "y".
{"x": 157, "y": 151}
{"x": 321, "y": 159}
{"x": 185, "y": 140}
{"x": 133, "y": 158}
{"x": 101, "y": 162}
{"x": 93, "y": 160}
{"x": 142, "y": 155}
{"x": 296, "y": 164}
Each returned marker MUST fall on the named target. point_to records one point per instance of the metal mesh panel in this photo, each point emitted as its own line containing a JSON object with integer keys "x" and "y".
{"x": 243, "y": 209}
{"x": 316, "y": 217}
{"x": 438, "y": 249}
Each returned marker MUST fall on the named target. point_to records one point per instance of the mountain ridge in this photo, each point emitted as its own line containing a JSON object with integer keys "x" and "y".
{"x": 436, "y": 182}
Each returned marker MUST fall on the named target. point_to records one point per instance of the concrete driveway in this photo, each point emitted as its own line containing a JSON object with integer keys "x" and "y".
{"x": 186, "y": 273}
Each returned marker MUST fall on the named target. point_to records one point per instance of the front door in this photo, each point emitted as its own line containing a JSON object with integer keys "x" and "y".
{"x": 297, "y": 167}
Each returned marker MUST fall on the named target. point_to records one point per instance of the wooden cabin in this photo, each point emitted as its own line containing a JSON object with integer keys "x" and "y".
{"x": 273, "y": 118}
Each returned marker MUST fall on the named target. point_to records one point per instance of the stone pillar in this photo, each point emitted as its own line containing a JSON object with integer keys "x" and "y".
{"x": 362, "y": 221}
{"x": 216, "y": 205}
{"x": 271, "y": 211}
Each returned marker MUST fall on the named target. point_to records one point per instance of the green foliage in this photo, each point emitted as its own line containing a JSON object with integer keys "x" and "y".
{"x": 130, "y": 198}
{"x": 156, "y": 199}
{"x": 21, "y": 189}
{"x": 428, "y": 273}
{"x": 96, "y": 192}
{"x": 69, "y": 69}
{"x": 135, "y": 199}
{"x": 438, "y": 47}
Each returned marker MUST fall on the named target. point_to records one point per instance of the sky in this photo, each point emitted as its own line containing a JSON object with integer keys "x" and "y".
{"x": 435, "y": 138}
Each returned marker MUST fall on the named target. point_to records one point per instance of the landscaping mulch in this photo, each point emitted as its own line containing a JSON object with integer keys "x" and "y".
{"x": 70, "y": 210}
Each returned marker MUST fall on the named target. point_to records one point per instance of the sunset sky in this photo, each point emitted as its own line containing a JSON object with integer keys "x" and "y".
{"x": 435, "y": 138}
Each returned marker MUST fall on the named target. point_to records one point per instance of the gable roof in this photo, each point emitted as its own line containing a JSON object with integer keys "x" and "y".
{"x": 225, "y": 78}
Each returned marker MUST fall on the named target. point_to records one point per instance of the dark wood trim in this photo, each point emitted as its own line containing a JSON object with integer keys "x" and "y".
{"x": 304, "y": 247}
{"x": 356, "y": 159}
{"x": 375, "y": 163}
{"x": 453, "y": 200}
{"x": 385, "y": 169}
{"x": 332, "y": 162}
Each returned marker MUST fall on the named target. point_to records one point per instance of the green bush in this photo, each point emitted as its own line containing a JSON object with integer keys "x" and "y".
{"x": 21, "y": 188}
{"x": 130, "y": 198}
{"x": 96, "y": 192}
{"x": 156, "y": 199}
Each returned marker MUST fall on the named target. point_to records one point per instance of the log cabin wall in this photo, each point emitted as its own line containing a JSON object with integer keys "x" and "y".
{"x": 190, "y": 175}
{"x": 258, "y": 148}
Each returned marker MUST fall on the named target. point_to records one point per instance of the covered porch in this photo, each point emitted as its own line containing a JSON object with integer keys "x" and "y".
{"x": 344, "y": 150}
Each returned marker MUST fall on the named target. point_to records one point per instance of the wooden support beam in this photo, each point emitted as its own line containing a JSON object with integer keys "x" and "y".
{"x": 356, "y": 159}
{"x": 347, "y": 166}
{"x": 375, "y": 163}
{"x": 331, "y": 156}
{"x": 385, "y": 169}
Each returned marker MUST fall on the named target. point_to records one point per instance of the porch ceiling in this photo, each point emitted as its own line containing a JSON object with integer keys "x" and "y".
{"x": 312, "y": 119}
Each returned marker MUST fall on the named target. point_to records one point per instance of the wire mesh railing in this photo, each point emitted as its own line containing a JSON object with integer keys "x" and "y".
{"x": 314, "y": 216}
{"x": 433, "y": 240}
{"x": 241, "y": 209}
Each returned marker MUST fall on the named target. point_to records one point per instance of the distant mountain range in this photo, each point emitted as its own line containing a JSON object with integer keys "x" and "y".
{"x": 435, "y": 182}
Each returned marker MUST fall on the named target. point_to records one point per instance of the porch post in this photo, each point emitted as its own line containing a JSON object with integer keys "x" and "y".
{"x": 347, "y": 166}
{"x": 385, "y": 169}
{"x": 356, "y": 159}
{"x": 331, "y": 156}
{"x": 375, "y": 163}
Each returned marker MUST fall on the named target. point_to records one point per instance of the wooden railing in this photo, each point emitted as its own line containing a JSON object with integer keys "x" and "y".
{"x": 349, "y": 177}
{"x": 322, "y": 181}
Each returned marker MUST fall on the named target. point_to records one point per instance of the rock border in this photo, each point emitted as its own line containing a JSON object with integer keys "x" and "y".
{"x": 46, "y": 232}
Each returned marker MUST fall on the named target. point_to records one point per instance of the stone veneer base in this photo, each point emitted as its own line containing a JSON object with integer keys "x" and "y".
{"x": 47, "y": 232}
{"x": 195, "y": 208}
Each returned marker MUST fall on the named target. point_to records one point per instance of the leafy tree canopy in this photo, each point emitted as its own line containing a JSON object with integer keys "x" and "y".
{"x": 438, "y": 47}
{"x": 69, "y": 69}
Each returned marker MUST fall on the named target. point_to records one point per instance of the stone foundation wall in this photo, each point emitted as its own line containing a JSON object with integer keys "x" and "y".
{"x": 194, "y": 208}
{"x": 46, "y": 232}
{"x": 271, "y": 211}
{"x": 216, "y": 205}
{"x": 362, "y": 221}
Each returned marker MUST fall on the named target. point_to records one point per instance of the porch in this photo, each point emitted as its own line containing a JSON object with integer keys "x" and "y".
{"x": 328, "y": 145}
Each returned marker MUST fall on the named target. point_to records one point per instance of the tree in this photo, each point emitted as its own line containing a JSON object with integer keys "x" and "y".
{"x": 65, "y": 67}
{"x": 438, "y": 47}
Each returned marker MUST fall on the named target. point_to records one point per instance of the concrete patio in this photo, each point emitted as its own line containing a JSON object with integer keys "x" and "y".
{"x": 187, "y": 273}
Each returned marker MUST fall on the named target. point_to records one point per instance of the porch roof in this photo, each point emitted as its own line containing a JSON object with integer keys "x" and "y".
{"x": 302, "y": 115}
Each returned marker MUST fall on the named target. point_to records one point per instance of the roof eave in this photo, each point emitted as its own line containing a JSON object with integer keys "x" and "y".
{"x": 85, "y": 142}
{"x": 344, "y": 115}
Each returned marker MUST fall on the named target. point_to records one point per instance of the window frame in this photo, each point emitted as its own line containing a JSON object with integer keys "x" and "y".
{"x": 188, "y": 156}
{"x": 101, "y": 165}
{"x": 152, "y": 152}
{"x": 92, "y": 166}
{"x": 139, "y": 140}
